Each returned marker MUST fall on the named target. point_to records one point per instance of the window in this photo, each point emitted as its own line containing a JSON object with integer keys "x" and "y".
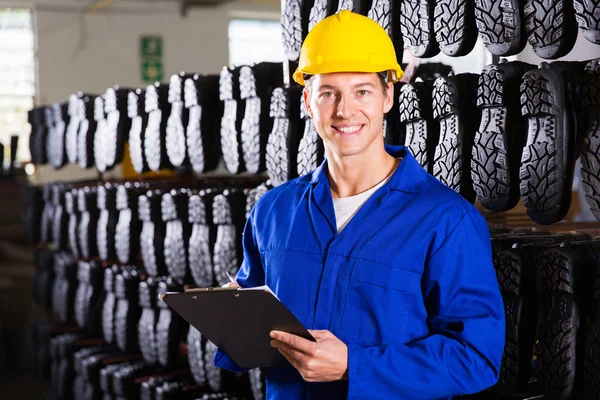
{"x": 17, "y": 77}
{"x": 254, "y": 41}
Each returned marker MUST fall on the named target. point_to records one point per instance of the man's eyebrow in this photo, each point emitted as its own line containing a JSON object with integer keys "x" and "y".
{"x": 330, "y": 87}
{"x": 358, "y": 85}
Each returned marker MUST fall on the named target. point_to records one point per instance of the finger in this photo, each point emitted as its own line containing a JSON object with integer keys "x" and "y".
{"x": 291, "y": 359}
{"x": 319, "y": 334}
{"x": 300, "y": 357}
{"x": 297, "y": 342}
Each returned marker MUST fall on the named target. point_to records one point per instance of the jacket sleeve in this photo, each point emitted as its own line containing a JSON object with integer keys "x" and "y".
{"x": 250, "y": 274}
{"x": 463, "y": 351}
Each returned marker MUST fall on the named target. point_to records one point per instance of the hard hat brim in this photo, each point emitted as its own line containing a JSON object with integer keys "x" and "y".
{"x": 394, "y": 75}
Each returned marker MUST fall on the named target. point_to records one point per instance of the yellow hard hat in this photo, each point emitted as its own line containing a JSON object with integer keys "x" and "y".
{"x": 347, "y": 42}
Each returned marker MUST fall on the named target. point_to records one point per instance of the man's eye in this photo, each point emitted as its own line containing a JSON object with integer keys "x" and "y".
{"x": 327, "y": 94}
{"x": 363, "y": 92}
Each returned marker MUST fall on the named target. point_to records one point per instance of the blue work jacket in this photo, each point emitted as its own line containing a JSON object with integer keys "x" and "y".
{"x": 408, "y": 285}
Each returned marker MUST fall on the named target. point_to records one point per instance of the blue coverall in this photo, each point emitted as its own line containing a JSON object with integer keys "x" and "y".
{"x": 408, "y": 285}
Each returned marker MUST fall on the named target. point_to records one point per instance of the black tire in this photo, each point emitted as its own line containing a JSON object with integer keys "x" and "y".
{"x": 454, "y": 108}
{"x": 100, "y": 135}
{"x": 50, "y": 134}
{"x": 72, "y": 128}
{"x": 170, "y": 328}
{"x": 515, "y": 269}
{"x": 294, "y": 26}
{"x": 148, "y": 318}
{"x": 416, "y": 24}
{"x": 32, "y": 205}
{"x": 56, "y": 137}
{"x": 136, "y": 106}
{"x": 175, "y": 215}
{"x": 37, "y": 139}
{"x": 213, "y": 374}
{"x": 254, "y": 195}
{"x": 257, "y": 384}
{"x": 128, "y": 312}
{"x": 387, "y": 14}
{"x": 282, "y": 145}
{"x": 152, "y": 236}
{"x": 73, "y": 224}
{"x": 416, "y": 114}
{"x": 158, "y": 109}
{"x": 311, "y": 151}
{"x": 118, "y": 125}
{"x": 590, "y": 160}
{"x": 256, "y": 86}
{"x": 591, "y": 371}
{"x": 500, "y": 137}
{"x": 394, "y": 132}
{"x": 551, "y": 27}
{"x": 196, "y": 343}
{"x": 200, "y": 254}
{"x": 87, "y": 132}
{"x": 587, "y": 14}
{"x": 178, "y": 121}
{"x": 454, "y": 25}
{"x": 252, "y": 135}
{"x": 320, "y": 10}
{"x": 60, "y": 217}
{"x": 231, "y": 123}
{"x": 228, "y": 215}
{"x": 357, "y": 6}
{"x": 202, "y": 239}
{"x": 203, "y": 143}
{"x": 107, "y": 222}
{"x": 126, "y": 236}
{"x": 87, "y": 202}
{"x": 556, "y": 350}
{"x": 548, "y": 160}
{"x": 501, "y": 25}
{"x": 380, "y": 12}
{"x": 108, "y": 317}
{"x": 127, "y": 231}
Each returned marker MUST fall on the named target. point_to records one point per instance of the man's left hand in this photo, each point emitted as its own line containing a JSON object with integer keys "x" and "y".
{"x": 325, "y": 360}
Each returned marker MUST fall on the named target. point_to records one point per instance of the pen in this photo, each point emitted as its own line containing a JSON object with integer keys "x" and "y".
{"x": 231, "y": 278}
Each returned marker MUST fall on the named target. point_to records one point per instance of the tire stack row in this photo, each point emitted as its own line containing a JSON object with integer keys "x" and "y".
{"x": 186, "y": 125}
{"x": 550, "y": 284}
{"x": 514, "y": 131}
{"x": 112, "y": 337}
{"x": 427, "y": 27}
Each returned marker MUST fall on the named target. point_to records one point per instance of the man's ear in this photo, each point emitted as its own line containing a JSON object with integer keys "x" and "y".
{"x": 389, "y": 98}
{"x": 306, "y": 95}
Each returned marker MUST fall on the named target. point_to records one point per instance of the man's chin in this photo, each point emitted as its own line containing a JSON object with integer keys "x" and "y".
{"x": 347, "y": 151}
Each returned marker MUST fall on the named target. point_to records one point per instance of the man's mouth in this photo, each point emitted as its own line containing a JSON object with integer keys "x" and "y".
{"x": 348, "y": 129}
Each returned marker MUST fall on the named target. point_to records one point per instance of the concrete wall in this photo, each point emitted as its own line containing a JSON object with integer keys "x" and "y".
{"x": 90, "y": 52}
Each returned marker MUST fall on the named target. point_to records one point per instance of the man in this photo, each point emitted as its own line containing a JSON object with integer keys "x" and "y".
{"x": 389, "y": 268}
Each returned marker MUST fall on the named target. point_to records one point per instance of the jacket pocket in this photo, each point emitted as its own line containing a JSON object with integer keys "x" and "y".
{"x": 379, "y": 300}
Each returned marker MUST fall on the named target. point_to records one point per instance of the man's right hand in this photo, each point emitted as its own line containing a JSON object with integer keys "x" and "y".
{"x": 231, "y": 285}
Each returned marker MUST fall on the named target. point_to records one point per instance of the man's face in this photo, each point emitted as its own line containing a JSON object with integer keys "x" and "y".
{"x": 347, "y": 109}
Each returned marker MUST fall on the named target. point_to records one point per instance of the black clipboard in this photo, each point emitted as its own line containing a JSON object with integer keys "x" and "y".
{"x": 238, "y": 322}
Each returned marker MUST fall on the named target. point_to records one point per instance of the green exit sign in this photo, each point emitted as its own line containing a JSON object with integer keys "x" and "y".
{"x": 151, "y": 55}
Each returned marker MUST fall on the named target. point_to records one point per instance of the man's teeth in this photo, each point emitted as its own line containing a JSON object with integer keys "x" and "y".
{"x": 349, "y": 129}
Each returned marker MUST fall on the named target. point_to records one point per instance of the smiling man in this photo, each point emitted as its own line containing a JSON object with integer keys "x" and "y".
{"x": 389, "y": 268}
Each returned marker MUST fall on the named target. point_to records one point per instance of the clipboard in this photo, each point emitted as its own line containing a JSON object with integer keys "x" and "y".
{"x": 238, "y": 322}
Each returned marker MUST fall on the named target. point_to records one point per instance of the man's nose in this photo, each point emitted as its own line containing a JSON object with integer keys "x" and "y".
{"x": 345, "y": 108}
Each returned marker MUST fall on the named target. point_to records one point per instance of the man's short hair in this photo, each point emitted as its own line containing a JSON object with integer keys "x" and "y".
{"x": 382, "y": 79}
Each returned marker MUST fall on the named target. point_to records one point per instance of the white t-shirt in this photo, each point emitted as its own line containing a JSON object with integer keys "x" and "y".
{"x": 347, "y": 207}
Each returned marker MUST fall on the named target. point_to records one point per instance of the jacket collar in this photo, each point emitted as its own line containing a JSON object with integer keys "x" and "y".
{"x": 409, "y": 176}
